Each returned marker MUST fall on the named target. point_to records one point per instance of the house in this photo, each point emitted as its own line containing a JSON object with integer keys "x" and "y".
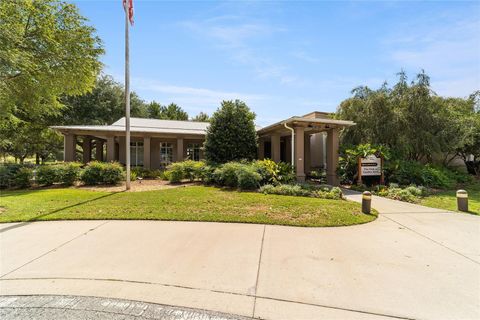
{"x": 311, "y": 140}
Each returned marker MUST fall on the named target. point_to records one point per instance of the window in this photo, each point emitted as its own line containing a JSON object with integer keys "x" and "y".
{"x": 193, "y": 151}
{"x": 166, "y": 153}
{"x": 136, "y": 153}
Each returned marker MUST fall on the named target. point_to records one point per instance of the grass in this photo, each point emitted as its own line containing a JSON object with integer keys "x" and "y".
{"x": 196, "y": 203}
{"x": 448, "y": 200}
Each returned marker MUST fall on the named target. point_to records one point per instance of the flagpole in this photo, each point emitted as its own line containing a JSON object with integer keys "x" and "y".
{"x": 127, "y": 94}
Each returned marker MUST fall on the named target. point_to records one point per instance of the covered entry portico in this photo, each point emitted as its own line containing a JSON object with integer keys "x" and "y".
{"x": 304, "y": 139}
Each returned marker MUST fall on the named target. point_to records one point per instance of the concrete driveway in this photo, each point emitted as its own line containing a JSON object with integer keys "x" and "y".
{"x": 412, "y": 262}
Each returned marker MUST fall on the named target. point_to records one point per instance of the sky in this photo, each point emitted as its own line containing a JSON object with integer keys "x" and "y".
{"x": 286, "y": 58}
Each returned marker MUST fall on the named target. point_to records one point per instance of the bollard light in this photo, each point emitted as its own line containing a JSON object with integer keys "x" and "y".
{"x": 462, "y": 200}
{"x": 366, "y": 202}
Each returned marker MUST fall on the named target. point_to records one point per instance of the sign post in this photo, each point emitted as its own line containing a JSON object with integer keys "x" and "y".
{"x": 369, "y": 166}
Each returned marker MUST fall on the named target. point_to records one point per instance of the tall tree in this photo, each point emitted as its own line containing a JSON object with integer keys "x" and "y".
{"x": 154, "y": 110}
{"x": 46, "y": 50}
{"x": 171, "y": 112}
{"x": 409, "y": 118}
{"x": 201, "y": 117}
{"x": 105, "y": 104}
{"x": 174, "y": 112}
{"x": 231, "y": 134}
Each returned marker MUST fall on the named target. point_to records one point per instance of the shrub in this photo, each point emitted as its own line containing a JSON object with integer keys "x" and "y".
{"x": 68, "y": 173}
{"x": 275, "y": 173}
{"x": 23, "y": 177}
{"x": 226, "y": 174}
{"x": 174, "y": 173}
{"x": 112, "y": 173}
{"x": 286, "y": 173}
{"x": 412, "y": 172}
{"x": 208, "y": 174}
{"x": 102, "y": 173}
{"x": 133, "y": 175}
{"x": 189, "y": 169}
{"x": 248, "y": 178}
{"x": 46, "y": 175}
{"x": 304, "y": 190}
{"x": 285, "y": 189}
{"x": 7, "y": 175}
{"x": 416, "y": 191}
{"x": 147, "y": 173}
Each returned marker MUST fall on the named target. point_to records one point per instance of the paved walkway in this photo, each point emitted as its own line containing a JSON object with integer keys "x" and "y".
{"x": 412, "y": 262}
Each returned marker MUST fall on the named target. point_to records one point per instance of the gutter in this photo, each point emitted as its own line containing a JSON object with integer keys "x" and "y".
{"x": 293, "y": 142}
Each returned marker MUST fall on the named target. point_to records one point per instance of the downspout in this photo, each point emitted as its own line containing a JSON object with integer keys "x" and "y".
{"x": 293, "y": 142}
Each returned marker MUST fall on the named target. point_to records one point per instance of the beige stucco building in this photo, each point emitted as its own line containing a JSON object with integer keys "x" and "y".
{"x": 312, "y": 141}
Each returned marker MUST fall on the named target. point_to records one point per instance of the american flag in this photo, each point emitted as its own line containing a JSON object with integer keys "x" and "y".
{"x": 130, "y": 9}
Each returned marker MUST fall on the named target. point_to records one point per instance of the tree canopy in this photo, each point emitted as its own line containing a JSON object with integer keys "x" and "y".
{"x": 105, "y": 104}
{"x": 171, "y": 112}
{"x": 201, "y": 117}
{"x": 409, "y": 118}
{"x": 231, "y": 134}
{"x": 46, "y": 50}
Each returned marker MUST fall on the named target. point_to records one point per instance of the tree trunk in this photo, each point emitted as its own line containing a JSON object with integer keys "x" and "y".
{"x": 37, "y": 158}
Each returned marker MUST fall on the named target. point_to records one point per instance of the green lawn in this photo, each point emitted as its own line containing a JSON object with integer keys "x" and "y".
{"x": 196, "y": 203}
{"x": 447, "y": 199}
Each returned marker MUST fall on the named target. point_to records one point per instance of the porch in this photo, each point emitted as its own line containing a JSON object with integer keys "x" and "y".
{"x": 312, "y": 141}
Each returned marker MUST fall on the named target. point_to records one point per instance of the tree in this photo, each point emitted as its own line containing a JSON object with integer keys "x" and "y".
{"x": 46, "y": 50}
{"x": 171, "y": 112}
{"x": 409, "y": 118}
{"x": 174, "y": 112}
{"x": 22, "y": 139}
{"x": 154, "y": 110}
{"x": 231, "y": 135}
{"x": 470, "y": 150}
{"x": 201, "y": 117}
{"x": 105, "y": 104}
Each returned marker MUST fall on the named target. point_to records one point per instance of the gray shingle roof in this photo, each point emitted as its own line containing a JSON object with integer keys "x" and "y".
{"x": 147, "y": 125}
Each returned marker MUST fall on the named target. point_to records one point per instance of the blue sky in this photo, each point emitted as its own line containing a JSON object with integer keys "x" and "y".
{"x": 290, "y": 57}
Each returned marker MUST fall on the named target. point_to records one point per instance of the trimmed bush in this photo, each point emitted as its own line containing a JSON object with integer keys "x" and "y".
{"x": 112, "y": 173}
{"x": 23, "y": 177}
{"x": 102, "y": 173}
{"x": 68, "y": 173}
{"x": 46, "y": 175}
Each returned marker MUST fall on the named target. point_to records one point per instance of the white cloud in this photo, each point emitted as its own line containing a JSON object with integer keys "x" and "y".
{"x": 191, "y": 98}
{"x": 304, "y": 56}
{"x": 242, "y": 41}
